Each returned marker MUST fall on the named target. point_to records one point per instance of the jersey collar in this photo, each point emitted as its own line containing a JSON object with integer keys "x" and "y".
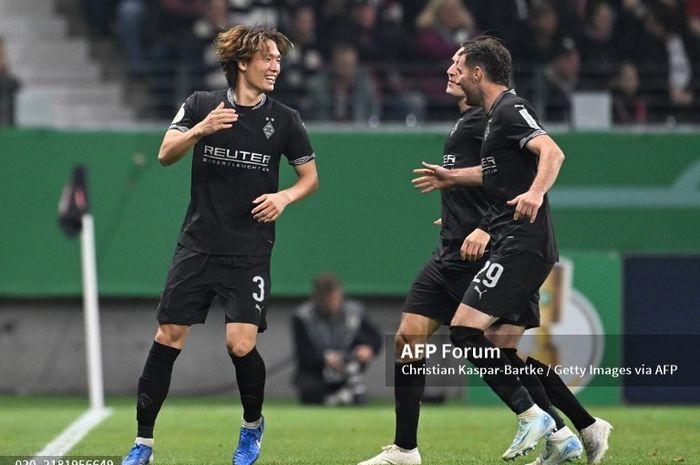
{"x": 229, "y": 96}
{"x": 500, "y": 97}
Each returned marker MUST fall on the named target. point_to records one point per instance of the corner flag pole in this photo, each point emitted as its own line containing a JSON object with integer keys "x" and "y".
{"x": 93, "y": 346}
{"x": 74, "y": 218}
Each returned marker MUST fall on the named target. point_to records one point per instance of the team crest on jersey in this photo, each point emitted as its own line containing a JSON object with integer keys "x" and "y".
{"x": 269, "y": 129}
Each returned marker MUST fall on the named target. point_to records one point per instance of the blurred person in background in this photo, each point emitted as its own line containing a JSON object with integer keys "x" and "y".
{"x": 377, "y": 39}
{"x": 252, "y": 12}
{"x": 303, "y": 62}
{"x": 598, "y": 45}
{"x": 131, "y": 27}
{"x": 629, "y": 107}
{"x": 334, "y": 342}
{"x": 440, "y": 28}
{"x": 665, "y": 63}
{"x": 559, "y": 80}
{"x": 9, "y": 86}
{"x": 173, "y": 20}
{"x": 344, "y": 91}
{"x": 204, "y": 70}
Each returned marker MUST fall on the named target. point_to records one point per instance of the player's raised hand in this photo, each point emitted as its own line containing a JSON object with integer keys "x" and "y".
{"x": 527, "y": 205}
{"x": 217, "y": 119}
{"x": 433, "y": 177}
{"x": 269, "y": 207}
{"x": 474, "y": 245}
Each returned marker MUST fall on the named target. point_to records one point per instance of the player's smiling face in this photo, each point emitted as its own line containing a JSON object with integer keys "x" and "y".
{"x": 262, "y": 71}
{"x": 468, "y": 79}
{"x": 453, "y": 76}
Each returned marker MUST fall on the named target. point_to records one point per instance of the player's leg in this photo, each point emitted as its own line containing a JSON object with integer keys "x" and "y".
{"x": 467, "y": 330}
{"x": 153, "y": 387}
{"x": 430, "y": 303}
{"x": 501, "y": 290}
{"x": 244, "y": 288}
{"x": 409, "y": 385}
{"x": 185, "y": 301}
{"x": 562, "y": 445}
{"x": 594, "y": 431}
{"x": 250, "y": 376}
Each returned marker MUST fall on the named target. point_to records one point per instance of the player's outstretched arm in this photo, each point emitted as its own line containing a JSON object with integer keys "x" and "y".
{"x": 269, "y": 207}
{"x": 176, "y": 144}
{"x": 435, "y": 177}
{"x": 551, "y": 158}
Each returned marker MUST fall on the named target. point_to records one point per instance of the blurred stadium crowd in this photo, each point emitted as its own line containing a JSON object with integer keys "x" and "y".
{"x": 367, "y": 61}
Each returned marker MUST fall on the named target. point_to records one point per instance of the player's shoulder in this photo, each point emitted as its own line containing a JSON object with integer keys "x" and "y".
{"x": 512, "y": 104}
{"x": 206, "y": 99}
{"x": 474, "y": 116}
{"x": 280, "y": 109}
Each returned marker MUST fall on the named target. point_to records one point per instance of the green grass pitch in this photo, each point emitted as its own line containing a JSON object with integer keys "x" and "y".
{"x": 204, "y": 431}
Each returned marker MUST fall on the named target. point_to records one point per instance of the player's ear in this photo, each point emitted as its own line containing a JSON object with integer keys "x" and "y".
{"x": 242, "y": 66}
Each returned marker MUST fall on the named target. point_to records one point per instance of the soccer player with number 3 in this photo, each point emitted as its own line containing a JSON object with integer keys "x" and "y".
{"x": 239, "y": 135}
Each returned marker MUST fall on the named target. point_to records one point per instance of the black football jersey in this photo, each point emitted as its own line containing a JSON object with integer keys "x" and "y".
{"x": 508, "y": 170}
{"x": 463, "y": 208}
{"x": 232, "y": 167}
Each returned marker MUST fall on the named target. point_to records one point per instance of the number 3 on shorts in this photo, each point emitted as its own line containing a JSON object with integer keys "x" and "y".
{"x": 259, "y": 296}
{"x": 492, "y": 273}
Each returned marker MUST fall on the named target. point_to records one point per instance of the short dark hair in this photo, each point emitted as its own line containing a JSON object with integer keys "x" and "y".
{"x": 325, "y": 284}
{"x": 491, "y": 55}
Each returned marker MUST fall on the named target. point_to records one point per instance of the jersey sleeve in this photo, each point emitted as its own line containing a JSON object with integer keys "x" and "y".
{"x": 521, "y": 123}
{"x": 298, "y": 150}
{"x": 185, "y": 118}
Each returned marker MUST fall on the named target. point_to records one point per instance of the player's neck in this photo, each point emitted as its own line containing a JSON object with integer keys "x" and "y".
{"x": 246, "y": 96}
{"x": 462, "y": 104}
{"x": 491, "y": 92}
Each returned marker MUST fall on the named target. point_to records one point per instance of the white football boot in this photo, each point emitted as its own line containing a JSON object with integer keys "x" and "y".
{"x": 394, "y": 455}
{"x": 562, "y": 446}
{"x": 595, "y": 440}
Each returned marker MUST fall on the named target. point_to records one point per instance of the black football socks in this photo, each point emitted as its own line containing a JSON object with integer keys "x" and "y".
{"x": 507, "y": 386}
{"x": 250, "y": 375}
{"x": 534, "y": 386}
{"x": 561, "y": 396}
{"x": 409, "y": 385}
{"x": 153, "y": 386}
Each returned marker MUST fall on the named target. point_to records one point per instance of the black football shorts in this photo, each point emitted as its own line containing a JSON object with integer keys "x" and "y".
{"x": 439, "y": 287}
{"x": 507, "y": 286}
{"x": 240, "y": 282}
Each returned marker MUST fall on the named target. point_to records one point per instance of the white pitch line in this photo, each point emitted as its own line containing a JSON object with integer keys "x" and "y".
{"x": 74, "y": 433}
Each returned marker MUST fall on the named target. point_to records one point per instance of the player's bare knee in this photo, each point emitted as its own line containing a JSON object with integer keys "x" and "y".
{"x": 403, "y": 340}
{"x": 240, "y": 348}
{"x": 172, "y": 335}
{"x": 400, "y": 341}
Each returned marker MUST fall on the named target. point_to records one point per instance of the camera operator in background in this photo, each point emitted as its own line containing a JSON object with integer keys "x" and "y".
{"x": 334, "y": 342}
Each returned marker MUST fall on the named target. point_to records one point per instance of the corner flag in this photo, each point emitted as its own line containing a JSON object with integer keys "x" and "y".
{"x": 73, "y": 203}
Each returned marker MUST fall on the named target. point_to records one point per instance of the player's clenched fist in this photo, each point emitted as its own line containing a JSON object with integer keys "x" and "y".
{"x": 219, "y": 118}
